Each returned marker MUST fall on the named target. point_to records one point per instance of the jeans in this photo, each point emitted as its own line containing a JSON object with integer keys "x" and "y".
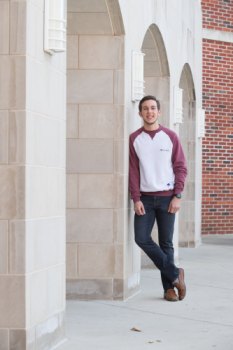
{"x": 162, "y": 255}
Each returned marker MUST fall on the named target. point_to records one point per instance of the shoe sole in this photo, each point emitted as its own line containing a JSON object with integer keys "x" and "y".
{"x": 172, "y": 300}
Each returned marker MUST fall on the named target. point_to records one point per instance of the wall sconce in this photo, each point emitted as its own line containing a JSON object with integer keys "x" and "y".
{"x": 54, "y": 26}
{"x": 178, "y": 105}
{"x": 201, "y": 122}
{"x": 137, "y": 75}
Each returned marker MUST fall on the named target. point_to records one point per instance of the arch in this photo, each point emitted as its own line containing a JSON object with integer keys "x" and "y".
{"x": 186, "y": 80}
{"x": 153, "y": 40}
{"x": 156, "y": 69}
{"x": 187, "y": 136}
{"x": 95, "y": 109}
{"x": 115, "y": 17}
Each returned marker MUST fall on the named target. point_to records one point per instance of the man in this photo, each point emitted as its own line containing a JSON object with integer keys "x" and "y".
{"x": 157, "y": 173}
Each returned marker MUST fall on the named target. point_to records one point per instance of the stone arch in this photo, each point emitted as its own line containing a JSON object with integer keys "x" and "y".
{"x": 115, "y": 17}
{"x": 95, "y": 179}
{"x": 187, "y": 132}
{"x": 156, "y": 69}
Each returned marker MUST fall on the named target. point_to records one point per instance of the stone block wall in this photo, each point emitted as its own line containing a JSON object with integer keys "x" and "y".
{"x": 32, "y": 181}
{"x": 95, "y": 153}
{"x": 12, "y": 173}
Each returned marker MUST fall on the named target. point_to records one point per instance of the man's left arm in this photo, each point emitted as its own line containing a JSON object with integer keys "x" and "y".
{"x": 180, "y": 172}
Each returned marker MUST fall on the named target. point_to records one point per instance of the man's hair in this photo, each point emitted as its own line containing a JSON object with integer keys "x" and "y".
{"x": 146, "y": 98}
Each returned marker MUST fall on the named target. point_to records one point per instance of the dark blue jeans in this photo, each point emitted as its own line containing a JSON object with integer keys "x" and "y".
{"x": 162, "y": 255}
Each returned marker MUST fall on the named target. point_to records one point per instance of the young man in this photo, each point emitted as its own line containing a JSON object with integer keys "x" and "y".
{"x": 156, "y": 179}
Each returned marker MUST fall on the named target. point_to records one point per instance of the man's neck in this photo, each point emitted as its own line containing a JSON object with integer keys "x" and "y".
{"x": 152, "y": 127}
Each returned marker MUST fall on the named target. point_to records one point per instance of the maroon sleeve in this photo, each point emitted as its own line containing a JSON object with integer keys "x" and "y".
{"x": 179, "y": 165}
{"x": 134, "y": 173}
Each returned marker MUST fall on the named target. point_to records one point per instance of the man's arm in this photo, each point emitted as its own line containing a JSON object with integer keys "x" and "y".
{"x": 179, "y": 166}
{"x": 134, "y": 173}
{"x": 180, "y": 171}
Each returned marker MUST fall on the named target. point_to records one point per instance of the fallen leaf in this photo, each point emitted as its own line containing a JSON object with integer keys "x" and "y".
{"x": 135, "y": 329}
{"x": 150, "y": 342}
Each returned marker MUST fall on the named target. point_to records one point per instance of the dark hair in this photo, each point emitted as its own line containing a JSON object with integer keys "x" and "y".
{"x": 146, "y": 98}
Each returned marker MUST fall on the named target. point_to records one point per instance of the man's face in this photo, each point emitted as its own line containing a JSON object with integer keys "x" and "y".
{"x": 149, "y": 112}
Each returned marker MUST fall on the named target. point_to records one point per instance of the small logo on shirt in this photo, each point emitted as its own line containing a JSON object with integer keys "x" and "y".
{"x": 164, "y": 149}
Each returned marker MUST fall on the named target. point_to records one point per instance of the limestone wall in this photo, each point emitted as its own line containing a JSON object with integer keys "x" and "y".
{"x": 32, "y": 181}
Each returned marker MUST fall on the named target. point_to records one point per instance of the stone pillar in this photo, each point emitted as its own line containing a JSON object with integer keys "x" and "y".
{"x": 32, "y": 182}
{"x": 99, "y": 251}
{"x": 187, "y": 219}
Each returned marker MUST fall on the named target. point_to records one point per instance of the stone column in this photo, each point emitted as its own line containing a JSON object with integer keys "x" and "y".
{"x": 32, "y": 182}
{"x": 99, "y": 249}
{"x": 187, "y": 219}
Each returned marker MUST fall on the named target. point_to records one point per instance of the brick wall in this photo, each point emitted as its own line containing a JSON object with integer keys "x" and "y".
{"x": 217, "y": 207}
{"x": 218, "y": 14}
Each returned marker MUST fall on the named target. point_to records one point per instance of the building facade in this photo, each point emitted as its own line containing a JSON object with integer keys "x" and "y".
{"x": 65, "y": 120}
{"x": 217, "y": 209}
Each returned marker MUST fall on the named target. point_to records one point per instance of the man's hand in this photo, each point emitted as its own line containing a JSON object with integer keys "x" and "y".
{"x": 174, "y": 205}
{"x": 139, "y": 208}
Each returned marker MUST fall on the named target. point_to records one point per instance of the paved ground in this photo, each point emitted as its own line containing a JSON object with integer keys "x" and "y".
{"x": 202, "y": 321}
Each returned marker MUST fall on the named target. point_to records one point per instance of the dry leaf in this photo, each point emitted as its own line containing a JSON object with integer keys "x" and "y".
{"x": 135, "y": 329}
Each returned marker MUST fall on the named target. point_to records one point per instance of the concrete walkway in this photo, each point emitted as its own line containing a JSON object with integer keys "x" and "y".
{"x": 202, "y": 321}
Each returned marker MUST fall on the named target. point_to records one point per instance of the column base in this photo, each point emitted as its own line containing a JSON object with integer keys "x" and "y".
{"x": 46, "y": 335}
{"x": 97, "y": 289}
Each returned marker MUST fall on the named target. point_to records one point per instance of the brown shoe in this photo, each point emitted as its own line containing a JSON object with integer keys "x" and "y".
{"x": 170, "y": 295}
{"x": 180, "y": 285}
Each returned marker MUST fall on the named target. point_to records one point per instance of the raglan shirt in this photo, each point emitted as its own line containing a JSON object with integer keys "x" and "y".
{"x": 157, "y": 163}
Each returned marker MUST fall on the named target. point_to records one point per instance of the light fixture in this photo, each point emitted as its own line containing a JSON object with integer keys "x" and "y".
{"x": 178, "y": 105}
{"x": 54, "y": 26}
{"x": 137, "y": 75}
